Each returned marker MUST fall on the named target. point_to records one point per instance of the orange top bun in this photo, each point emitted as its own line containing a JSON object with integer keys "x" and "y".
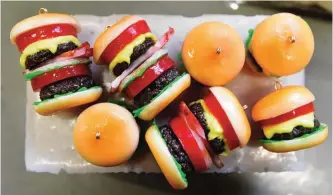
{"x": 235, "y": 113}
{"x": 281, "y": 101}
{"x": 282, "y": 44}
{"x": 213, "y": 53}
{"x": 42, "y": 19}
{"x": 106, "y": 134}
{"x": 111, "y": 33}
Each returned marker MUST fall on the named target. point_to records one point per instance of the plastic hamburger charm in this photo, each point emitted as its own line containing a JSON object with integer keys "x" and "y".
{"x": 288, "y": 120}
{"x": 142, "y": 69}
{"x": 281, "y": 45}
{"x": 55, "y": 62}
{"x": 106, "y": 134}
{"x": 213, "y": 53}
{"x": 207, "y": 128}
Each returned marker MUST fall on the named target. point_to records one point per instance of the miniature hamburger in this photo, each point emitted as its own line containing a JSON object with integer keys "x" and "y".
{"x": 142, "y": 68}
{"x": 213, "y": 53}
{"x": 288, "y": 120}
{"x": 55, "y": 61}
{"x": 281, "y": 45}
{"x": 209, "y": 127}
{"x": 106, "y": 134}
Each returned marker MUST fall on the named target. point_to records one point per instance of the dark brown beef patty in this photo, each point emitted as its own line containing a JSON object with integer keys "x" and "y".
{"x": 176, "y": 149}
{"x": 253, "y": 62}
{"x": 154, "y": 88}
{"x": 297, "y": 132}
{"x": 216, "y": 144}
{"x": 64, "y": 86}
{"x": 34, "y": 60}
{"x": 137, "y": 52}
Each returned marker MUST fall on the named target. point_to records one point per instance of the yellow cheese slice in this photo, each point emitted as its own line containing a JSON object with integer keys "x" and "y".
{"x": 125, "y": 54}
{"x": 46, "y": 44}
{"x": 216, "y": 130}
{"x": 287, "y": 126}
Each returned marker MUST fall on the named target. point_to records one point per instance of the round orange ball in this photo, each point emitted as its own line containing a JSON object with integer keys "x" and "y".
{"x": 106, "y": 134}
{"x": 213, "y": 53}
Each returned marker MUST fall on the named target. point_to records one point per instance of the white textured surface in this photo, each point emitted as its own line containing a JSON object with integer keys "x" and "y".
{"x": 49, "y": 146}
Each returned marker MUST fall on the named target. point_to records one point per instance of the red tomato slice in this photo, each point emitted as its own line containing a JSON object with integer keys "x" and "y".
{"x": 44, "y": 32}
{"x": 192, "y": 144}
{"x": 152, "y": 73}
{"x": 307, "y": 108}
{"x": 191, "y": 121}
{"x": 126, "y": 37}
{"x": 59, "y": 74}
{"x": 215, "y": 108}
{"x": 196, "y": 127}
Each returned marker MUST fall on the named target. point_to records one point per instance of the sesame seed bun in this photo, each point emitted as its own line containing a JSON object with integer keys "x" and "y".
{"x": 297, "y": 143}
{"x": 39, "y": 21}
{"x": 106, "y": 134}
{"x": 235, "y": 113}
{"x": 281, "y": 101}
{"x": 272, "y": 47}
{"x": 164, "y": 158}
{"x": 201, "y": 57}
{"x": 162, "y": 101}
{"x": 68, "y": 101}
{"x": 111, "y": 33}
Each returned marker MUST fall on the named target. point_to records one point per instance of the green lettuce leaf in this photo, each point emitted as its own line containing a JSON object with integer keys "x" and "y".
{"x": 137, "y": 112}
{"x": 60, "y": 95}
{"x": 181, "y": 65}
{"x": 321, "y": 128}
{"x": 29, "y": 76}
{"x": 180, "y": 57}
{"x": 249, "y": 37}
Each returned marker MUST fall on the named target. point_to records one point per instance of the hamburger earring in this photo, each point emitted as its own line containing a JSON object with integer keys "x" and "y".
{"x": 55, "y": 61}
{"x": 281, "y": 45}
{"x": 133, "y": 53}
{"x": 288, "y": 120}
{"x": 287, "y": 114}
{"x": 201, "y": 132}
{"x": 207, "y": 60}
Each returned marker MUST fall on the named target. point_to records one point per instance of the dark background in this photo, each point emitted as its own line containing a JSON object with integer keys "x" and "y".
{"x": 15, "y": 180}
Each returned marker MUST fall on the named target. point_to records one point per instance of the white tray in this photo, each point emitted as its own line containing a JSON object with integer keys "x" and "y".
{"x": 49, "y": 146}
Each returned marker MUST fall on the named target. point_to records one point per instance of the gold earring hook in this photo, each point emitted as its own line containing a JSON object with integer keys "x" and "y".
{"x": 98, "y": 135}
{"x": 218, "y": 51}
{"x": 42, "y": 11}
{"x": 292, "y": 39}
{"x": 277, "y": 84}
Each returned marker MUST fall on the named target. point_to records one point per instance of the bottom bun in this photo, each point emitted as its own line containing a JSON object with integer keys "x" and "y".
{"x": 68, "y": 101}
{"x": 162, "y": 101}
{"x": 164, "y": 158}
{"x": 298, "y": 143}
